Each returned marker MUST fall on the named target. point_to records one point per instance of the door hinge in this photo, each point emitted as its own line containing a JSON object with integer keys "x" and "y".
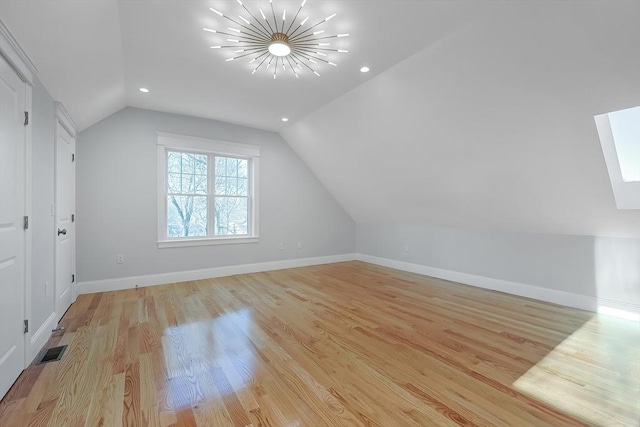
{"x": 73, "y": 157}
{"x": 26, "y": 223}
{"x": 26, "y": 325}
{"x": 73, "y": 278}
{"x": 26, "y": 118}
{"x": 73, "y": 217}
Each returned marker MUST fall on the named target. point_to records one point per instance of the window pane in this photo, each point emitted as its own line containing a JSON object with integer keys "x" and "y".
{"x": 221, "y": 166}
{"x": 187, "y": 184}
{"x": 625, "y": 127}
{"x": 243, "y": 188}
{"x": 186, "y": 216}
{"x": 232, "y": 186}
{"x": 221, "y": 185}
{"x": 231, "y": 176}
{"x": 200, "y": 184}
{"x": 187, "y": 173}
{"x": 194, "y": 184}
{"x": 175, "y": 183}
{"x": 232, "y": 167}
{"x": 174, "y": 161}
{"x": 201, "y": 164}
{"x": 231, "y": 216}
{"x": 243, "y": 168}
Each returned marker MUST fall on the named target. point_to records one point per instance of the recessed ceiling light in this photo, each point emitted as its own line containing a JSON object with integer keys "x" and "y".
{"x": 364, "y": 69}
{"x": 144, "y": 90}
{"x": 284, "y": 119}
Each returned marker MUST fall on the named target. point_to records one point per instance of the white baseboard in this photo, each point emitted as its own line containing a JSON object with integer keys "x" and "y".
{"x": 41, "y": 336}
{"x": 94, "y": 286}
{"x": 568, "y": 299}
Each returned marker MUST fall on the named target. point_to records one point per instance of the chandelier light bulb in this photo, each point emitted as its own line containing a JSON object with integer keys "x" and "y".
{"x": 279, "y": 49}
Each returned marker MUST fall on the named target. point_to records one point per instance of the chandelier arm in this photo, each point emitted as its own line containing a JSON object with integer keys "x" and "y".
{"x": 260, "y": 42}
{"x": 305, "y": 31}
{"x": 328, "y": 50}
{"x": 236, "y": 46}
{"x": 259, "y": 56}
{"x": 243, "y": 35}
{"x": 270, "y": 61}
{"x": 295, "y": 61}
{"x": 260, "y": 64}
{"x": 294, "y": 31}
{"x": 293, "y": 20}
{"x": 293, "y": 70}
{"x": 247, "y": 44}
{"x": 275, "y": 69}
{"x": 268, "y": 23}
{"x": 252, "y": 50}
{"x": 241, "y": 25}
{"x": 308, "y": 55}
{"x": 302, "y": 62}
{"x": 257, "y": 20}
{"x": 275, "y": 20}
{"x": 306, "y": 38}
{"x": 242, "y": 56}
{"x": 309, "y": 44}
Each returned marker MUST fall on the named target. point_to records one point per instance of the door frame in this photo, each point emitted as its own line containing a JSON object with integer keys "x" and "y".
{"x": 63, "y": 118}
{"x": 26, "y": 70}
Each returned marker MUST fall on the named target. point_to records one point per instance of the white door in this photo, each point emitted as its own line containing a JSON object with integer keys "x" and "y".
{"x": 65, "y": 230}
{"x": 12, "y": 234}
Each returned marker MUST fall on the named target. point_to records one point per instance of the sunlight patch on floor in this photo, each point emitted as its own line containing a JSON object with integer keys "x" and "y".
{"x": 206, "y": 361}
{"x": 592, "y": 374}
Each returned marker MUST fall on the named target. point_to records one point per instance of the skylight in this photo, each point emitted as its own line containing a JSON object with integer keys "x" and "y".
{"x": 625, "y": 127}
{"x": 619, "y": 133}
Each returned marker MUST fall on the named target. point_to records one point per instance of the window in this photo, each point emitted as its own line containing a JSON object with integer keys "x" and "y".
{"x": 619, "y": 133}
{"x": 625, "y": 128}
{"x": 207, "y": 192}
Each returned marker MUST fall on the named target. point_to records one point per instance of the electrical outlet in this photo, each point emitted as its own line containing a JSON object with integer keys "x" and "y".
{"x": 281, "y": 246}
{"x": 300, "y": 245}
{"x": 120, "y": 259}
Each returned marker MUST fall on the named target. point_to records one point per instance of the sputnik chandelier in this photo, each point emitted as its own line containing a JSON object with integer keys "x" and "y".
{"x": 278, "y": 44}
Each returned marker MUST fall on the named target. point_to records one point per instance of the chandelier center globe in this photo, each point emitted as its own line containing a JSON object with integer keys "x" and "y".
{"x": 279, "y": 45}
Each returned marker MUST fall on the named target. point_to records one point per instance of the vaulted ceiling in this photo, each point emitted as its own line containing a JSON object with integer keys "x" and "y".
{"x": 491, "y": 127}
{"x": 476, "y": 113}
{"x": 94, "y": 55}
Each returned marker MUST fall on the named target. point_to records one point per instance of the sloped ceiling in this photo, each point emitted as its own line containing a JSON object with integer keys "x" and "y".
{"x": 489, "y": 127}
{"x": 476, "y": 114}
{"x": 94, "y": 55}
{"x": 77, "y": 48}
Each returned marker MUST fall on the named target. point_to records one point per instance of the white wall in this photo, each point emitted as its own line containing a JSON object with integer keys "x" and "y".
{"x": 481, "y": 153}
{"x": 607, "y": 268}
{"x": 492, "y": 127}
{"x": 117, "y": 209}
{"x": 41, "y": 221}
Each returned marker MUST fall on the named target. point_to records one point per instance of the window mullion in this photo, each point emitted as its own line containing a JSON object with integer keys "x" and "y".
{"x": 210, "y": 195}
{"x": 250, "y": 197}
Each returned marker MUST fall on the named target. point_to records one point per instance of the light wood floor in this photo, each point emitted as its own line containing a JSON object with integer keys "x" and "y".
{"x": 340, "y": 344}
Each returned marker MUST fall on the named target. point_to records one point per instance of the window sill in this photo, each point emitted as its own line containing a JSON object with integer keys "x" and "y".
{"x": 212, "y": 241}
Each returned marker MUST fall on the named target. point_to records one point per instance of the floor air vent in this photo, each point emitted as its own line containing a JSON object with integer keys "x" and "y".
{"x": 51, "y": 355}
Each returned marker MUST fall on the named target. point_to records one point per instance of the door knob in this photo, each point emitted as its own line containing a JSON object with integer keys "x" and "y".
{"x": 63, "y": 231}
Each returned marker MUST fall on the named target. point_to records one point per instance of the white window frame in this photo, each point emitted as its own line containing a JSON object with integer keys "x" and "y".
{"x": 626, "y": 194}
{"x": 172, "y": 142}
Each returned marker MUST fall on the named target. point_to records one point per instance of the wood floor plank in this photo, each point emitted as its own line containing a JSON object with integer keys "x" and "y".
{"x": 346, "y": 344}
